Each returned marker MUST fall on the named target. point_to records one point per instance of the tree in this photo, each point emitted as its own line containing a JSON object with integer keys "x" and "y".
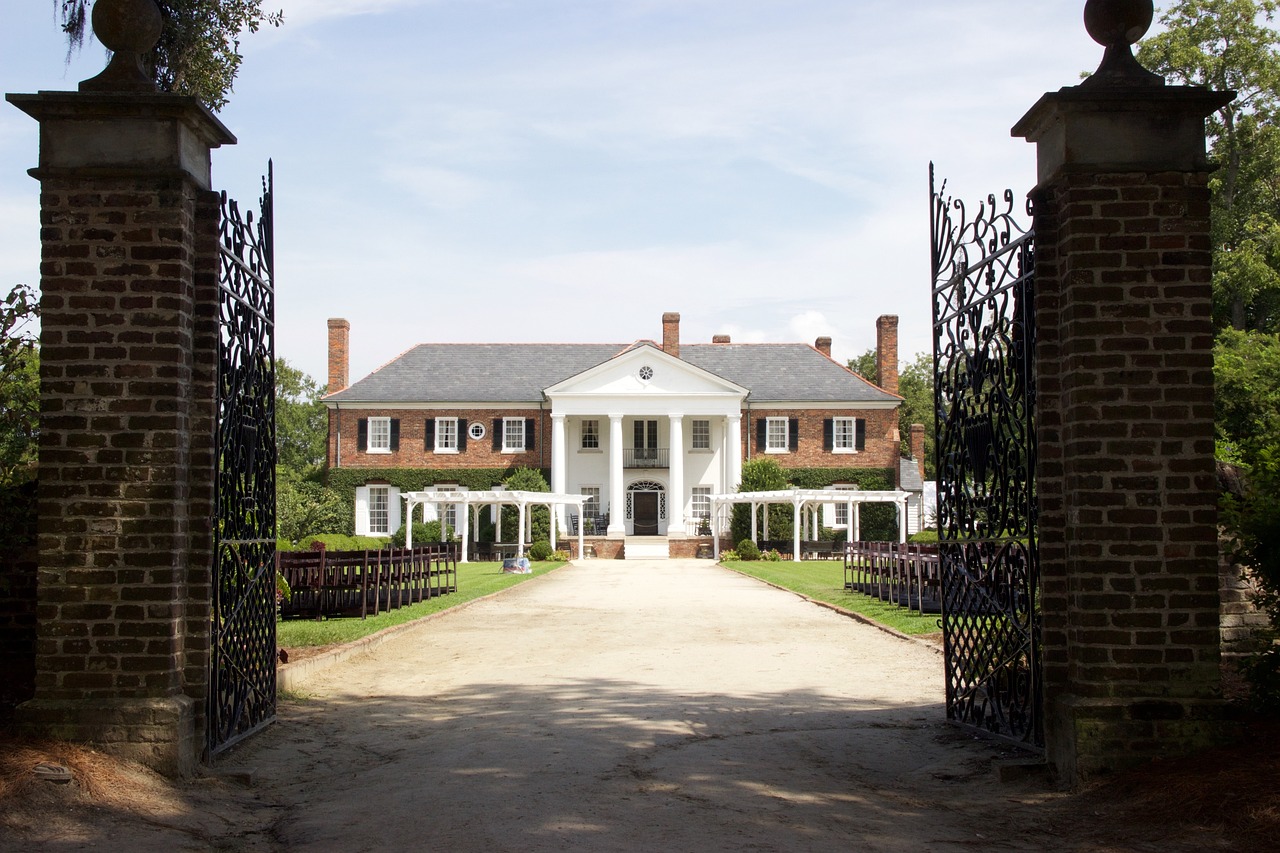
{"x": 199, "y": 50}
{"x": 915, "y": 386}
{"x": 302, "y": 424}
{"x": 761, "y": 475}
{"x": 1247, "y": 379}
{"x": 19, "y": 386}
{"x": 306, "y": 508}
{"x": 528, "y": 480}
{"x": 1229, "y": 45}
{"x": 865, "y": 365}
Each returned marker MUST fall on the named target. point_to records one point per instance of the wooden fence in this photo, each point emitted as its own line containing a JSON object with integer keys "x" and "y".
{"x": 364, "y": 583}
{"x": 904, "y": 574}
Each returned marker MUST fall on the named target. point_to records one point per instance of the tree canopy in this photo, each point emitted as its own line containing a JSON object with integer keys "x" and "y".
{"x": 199, "y": 50}
{"x": 1231, "y": 45}
{"x": 19, "y": 386}
{"x": 302, "y": 424}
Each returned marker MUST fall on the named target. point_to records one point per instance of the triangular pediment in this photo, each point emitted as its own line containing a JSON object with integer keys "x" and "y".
{"x": 644, "y": 370}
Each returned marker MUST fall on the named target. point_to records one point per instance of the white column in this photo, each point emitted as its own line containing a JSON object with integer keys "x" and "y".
{"x": 857, "y": 522}
{"x": 408, "y": 530}
{"x": 555, "y": 512}
{"x": 466, "y": 526}
{"x": 902, "y": 520}
{"x": 795, "y": 531}
{"x": 617, "y": 505}
{"x": 559, "y": 471}
{"x": 520, "y": 516}
{"x": 733, "y": 462}
{"x": 581, "y": 534}
{"x": 675, "y": 506}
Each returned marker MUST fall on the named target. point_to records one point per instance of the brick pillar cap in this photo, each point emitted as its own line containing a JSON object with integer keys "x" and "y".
{"x": 1120, "y": 128}
{"x": 338, "y": 323}
{"x": 125, "y": 134}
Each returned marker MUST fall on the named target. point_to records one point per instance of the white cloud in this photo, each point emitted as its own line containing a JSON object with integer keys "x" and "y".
{"x": 301, "y": 12}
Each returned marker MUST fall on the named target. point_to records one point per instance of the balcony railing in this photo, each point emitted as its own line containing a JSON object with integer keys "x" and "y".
{"x": 645, "y": 457}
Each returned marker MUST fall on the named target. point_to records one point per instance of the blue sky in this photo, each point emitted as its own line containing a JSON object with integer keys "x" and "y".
{"x": 568, "y": 170}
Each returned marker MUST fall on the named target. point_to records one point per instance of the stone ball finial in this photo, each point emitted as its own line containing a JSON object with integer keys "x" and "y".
{"x": 1117, "y": 25}
{"x": 129, "y": 29}
{"x": 1118, "y": 22}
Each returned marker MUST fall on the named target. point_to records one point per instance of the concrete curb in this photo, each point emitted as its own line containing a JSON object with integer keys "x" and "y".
{"x": 292, "y": 676}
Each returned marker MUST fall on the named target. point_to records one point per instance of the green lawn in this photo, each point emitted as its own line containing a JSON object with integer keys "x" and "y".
{"x": 823, "y": 580}
{"x": 474, "y": 581}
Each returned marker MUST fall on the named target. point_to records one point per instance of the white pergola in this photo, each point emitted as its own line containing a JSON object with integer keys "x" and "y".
{"x": 472, "y": 501}
{"x": 807, "y": 503}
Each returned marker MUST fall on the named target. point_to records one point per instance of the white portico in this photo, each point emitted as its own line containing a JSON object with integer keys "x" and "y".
{"x": 652, "y": 437}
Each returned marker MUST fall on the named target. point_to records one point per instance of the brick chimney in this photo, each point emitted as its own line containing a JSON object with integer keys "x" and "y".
{"x": 339, "y": 335}
{"x": 720, "y": 339}
{"x": 917, "y": 446}
{"x": 823, "y": 345}
{"x": 887, "y": 352}
{"x": 671, "y": 333}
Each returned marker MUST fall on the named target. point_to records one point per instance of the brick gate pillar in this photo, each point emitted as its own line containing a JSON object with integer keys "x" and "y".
{"x": 1124, "y": 366}
{"x": 128, "y": 360}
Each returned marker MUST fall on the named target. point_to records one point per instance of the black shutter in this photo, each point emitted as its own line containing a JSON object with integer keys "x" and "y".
{"x": 530, "y": 432}
{"x": 462, "y": 435}
{"x": 637, "y": 435}
{"x": 497, "y": 434}
{"x": 653, "y": 436}
{"x": 429, "y": 435}
{"x": 860, "y": 435}
{"x": 762, "y": 428}
{"x": 395, "y": 434}
{"x": 828, "y": 435}
{"x": 793, "y": 434}
{"x": 362, "y": 440}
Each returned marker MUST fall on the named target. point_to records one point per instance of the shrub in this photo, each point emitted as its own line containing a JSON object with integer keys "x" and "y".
{"x": 424, "y": 533}
{"x": 747, "y": 550}
{"x": 338, "y": 542}
{"x": 561, "y": 556}
{"x": 728, "y": 556}
{"x": 924, "y": 536}
{"x": 540, "y": 551}
{"x": 771, "y": 556}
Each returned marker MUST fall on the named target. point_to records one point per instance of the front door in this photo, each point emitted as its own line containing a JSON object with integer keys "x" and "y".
{"x": 644, "y": 513}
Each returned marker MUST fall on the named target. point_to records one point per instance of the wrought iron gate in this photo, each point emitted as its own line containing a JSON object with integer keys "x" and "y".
{"x": 242, "y": 688}
{"x": 984, "y": 405}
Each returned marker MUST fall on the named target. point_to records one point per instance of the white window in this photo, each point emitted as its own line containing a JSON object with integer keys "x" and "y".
{"x": 701, "y": 434}
{"x": 592, "y": 513}
{"x": 841, "y": 514}
{"x": 476, "y": 430}
{"x": 379, "y": 514}
{"x": 776, "y": 436}
{"x": 379, "y": 435}
{"x": 512, "y": 435}
{"x": 844, "y": 432}
{"x": 377, "y": 510}
{"x": 446, "y": 435}
{"x": 701, "y": 504}
{"x": 448, "y": 512}
{"x": 591, "y": 435}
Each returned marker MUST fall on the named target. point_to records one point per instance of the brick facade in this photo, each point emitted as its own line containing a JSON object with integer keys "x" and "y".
{"x": 882, "y": 449}
{"x": 883, "y": 445}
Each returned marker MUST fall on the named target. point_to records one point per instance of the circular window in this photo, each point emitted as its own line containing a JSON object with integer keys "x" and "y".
{"x": 646, "y": 373}
{"x": 476, "y": 430}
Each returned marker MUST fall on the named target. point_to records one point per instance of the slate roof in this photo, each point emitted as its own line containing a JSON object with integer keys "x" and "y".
{"x": 518, "y": 373}
{"x": 909, "y": 476}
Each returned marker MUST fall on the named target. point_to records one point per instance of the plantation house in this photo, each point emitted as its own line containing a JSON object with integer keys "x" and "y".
{"x": 649, "y": 431}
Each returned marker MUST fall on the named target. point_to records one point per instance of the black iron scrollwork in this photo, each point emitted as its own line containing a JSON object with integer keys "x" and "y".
{"x": 242, "y": 696}
{"x": 984, "y": 406}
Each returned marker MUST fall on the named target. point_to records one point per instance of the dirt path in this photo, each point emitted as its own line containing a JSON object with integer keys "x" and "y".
{"x": 624, "y": 706}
